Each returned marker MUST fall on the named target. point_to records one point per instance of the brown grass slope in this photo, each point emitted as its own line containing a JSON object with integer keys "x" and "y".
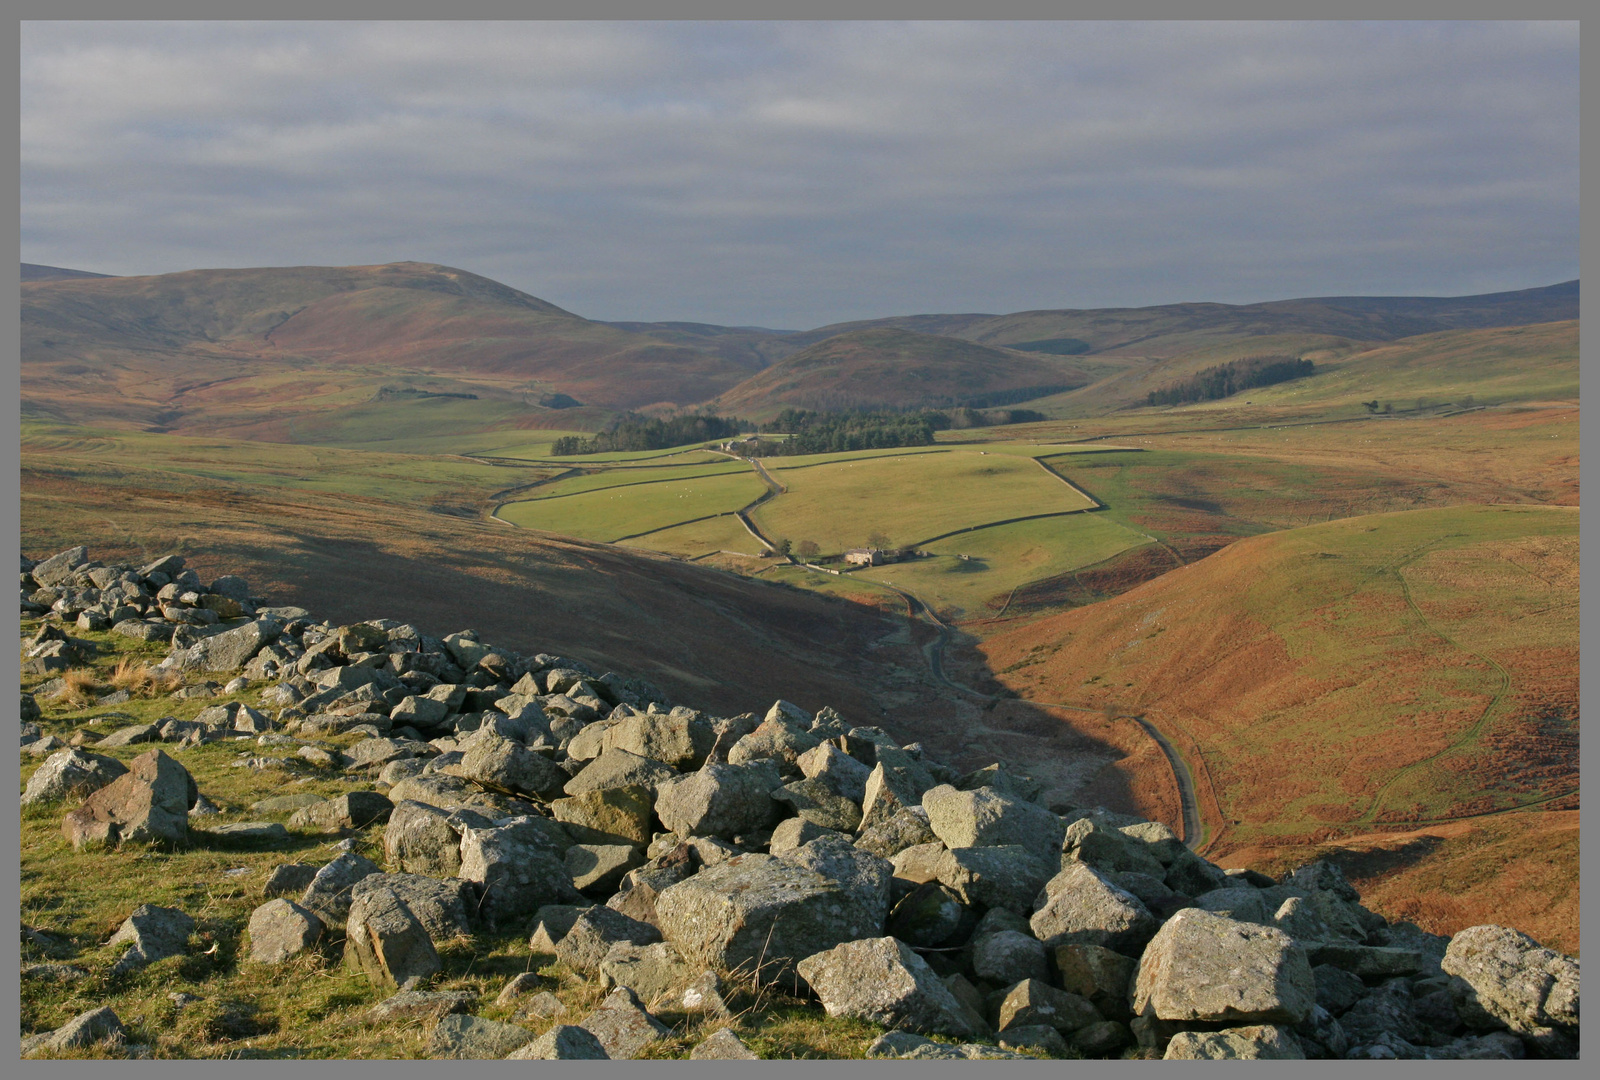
{"x": 40, "y": 272}
{"x": 134, "y": 346}
{"x": 887, "y": 367}
{"x": 1324, "y": 682}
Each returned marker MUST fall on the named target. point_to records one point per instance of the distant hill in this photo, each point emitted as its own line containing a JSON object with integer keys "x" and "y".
{"x": 888, "y": 367}
{"x": 751, "y": 347}
{"x": 1170, "y": 329}
{"x": 36, "y": 272}
{"x": 157, "y": 349}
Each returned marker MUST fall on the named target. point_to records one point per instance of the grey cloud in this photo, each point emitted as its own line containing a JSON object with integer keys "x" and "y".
{"x": 798, "y": 174}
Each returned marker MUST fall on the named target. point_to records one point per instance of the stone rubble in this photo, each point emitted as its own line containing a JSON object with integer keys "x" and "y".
{"x": 680, "y": 859}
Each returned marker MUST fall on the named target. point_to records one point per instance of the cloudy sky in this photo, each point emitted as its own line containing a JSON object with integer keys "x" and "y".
{"x": 797, "y": 174}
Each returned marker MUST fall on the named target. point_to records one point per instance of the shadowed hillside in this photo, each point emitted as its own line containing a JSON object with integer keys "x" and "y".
{"x": 893, "y": 368}
{"x": 37, "y": 272}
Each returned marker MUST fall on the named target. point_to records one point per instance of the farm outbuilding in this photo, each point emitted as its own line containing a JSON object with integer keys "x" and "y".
{"x": 864, "y": 557}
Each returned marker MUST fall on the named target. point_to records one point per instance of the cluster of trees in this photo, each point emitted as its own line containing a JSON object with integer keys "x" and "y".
{"x": 824, "y": 433}
{"x": 1224, "y": 380}
{"x": 635, "y": 432}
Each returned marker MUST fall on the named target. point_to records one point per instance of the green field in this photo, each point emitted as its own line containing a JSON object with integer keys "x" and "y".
{"x": 1003, "y": 557}
{"x": 631, "y": 475}
{"x": 909, "y": 498}
{"x": 699, "y": 538}
{"x": 612, "y": 513}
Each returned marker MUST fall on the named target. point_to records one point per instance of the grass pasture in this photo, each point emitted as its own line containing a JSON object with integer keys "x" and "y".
{"x": 910, "y": 498}
{"x": 1001, "y": 558}
{"x": 628, "y": 510}
{"x": 699, "y": 538}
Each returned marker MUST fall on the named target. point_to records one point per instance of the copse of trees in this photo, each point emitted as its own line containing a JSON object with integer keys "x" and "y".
{"x": 634, "y": 432}
{"x": 826, "y": 433}
{"x": 1224, "y": 380}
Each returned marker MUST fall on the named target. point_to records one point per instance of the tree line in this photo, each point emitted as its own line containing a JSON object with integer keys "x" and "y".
{"x": 1225, "y": 380}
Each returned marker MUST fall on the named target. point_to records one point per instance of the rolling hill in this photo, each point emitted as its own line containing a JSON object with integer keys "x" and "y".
{"x": 1169, "y": 329}
{"x": 202, "y": 348}
{"x": 891, "y": 368}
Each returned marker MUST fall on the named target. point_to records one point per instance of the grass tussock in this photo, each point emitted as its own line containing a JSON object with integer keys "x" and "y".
{"x": 141, "y": 679}
{"x": 80, "y": 687}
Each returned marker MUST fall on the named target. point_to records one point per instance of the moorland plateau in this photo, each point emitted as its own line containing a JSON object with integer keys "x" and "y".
{"x": 1345, "y": 603}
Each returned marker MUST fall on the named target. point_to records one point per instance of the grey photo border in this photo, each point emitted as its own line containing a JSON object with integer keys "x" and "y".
{"x": 1138, "y": 10}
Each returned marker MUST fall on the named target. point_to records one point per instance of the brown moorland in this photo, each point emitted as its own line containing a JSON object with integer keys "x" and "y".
{"x": 1418, "y": 666}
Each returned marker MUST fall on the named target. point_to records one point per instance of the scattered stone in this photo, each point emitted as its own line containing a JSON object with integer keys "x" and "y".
{"x": 723, "y": 1045}
{"x": 384, "y": 939}
{"x": 288, "y": 879}
{"x": 609, "y": 815}
{"x": 472, "y": 1037}
{"x": 1502, "y": 977}
{"x": 1007, "y": 877}
{"x": 54, "y": 972}
{"x": 151, "y": 933}
{"x": 594, "y": 930}
{"x": 329, "y": 892}
{"x": 1204, "y": 967}
{"x": 443, "y": 907}
{"x": 71, "y": 773}
{"x": 882, "y": 980}
{"x": 149, "y": 804}
{"x": 986, "y": 817}
{"x": 756, "y": 915}
{"x": 1081, "y": 907}
{"x": 1009, "y": 955}
{"x": 285, "y": 804}
{"x": 128, "y": 736}
{"x": 421, "y": 1005}
{"x": 352, "y": 810}
{"x": 544, "y": 1005}
{"x": 1038, "y": 1038}
{"x": 564, "y": 1042}
{"x": 1236, "y": 1044}
{"x": 623, "y": 1026}
{"x": 718, "y": 800}
{"x": 1034, "y": 1001}
{"x": 1099, "y": 974}
{"x": 246, "y": 832}
{"x": 519, "y": 866}
{"x": 281, "y": 929}
{"x": 86, "y": 1029}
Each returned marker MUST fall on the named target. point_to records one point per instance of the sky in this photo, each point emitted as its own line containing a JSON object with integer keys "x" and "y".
{"x": 793, "y": 175}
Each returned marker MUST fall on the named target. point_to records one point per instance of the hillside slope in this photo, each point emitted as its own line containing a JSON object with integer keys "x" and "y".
{"x": 1169, "y": 329}
{"x": 1376, "y": 672}
{"x": 136, "y": 348}
{"x": 887, "y": 367}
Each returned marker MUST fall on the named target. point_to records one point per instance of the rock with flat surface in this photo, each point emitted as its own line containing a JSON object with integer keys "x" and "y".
{"x": 598, "y": 868}
{"x": 232, "y": 649}
{"x": 680, "y": 739}
{"x": 87, "y": 1029}
{"x": 71, "y": 773}
{"x": 985, "y": 817}
{"x": 816, "y": 802}
{"x": 723, "y": 1045}
{"x": 1009, "y": 955}
{"x": 843, "y": 774}
{"x": 1256, "y": 1042}
{"x": 420, "y": 1005}
{"x": 623, "y": 1026}
{"x": 288, "y": 879}
{"x": 1201, "y": 966}
{"x": 593, "y": 932}
{"x": 352, "y": 810}
{"x": 863, "y": 873}
{"x": 718, "y": 800}
{"x": 656, "y": 972}
{"x": 147, "y": 804}
{"x": 329, "y": 892}
{"x": 461, "y": 1037}
{"x": 1034, "y": 1001}
{"x": 619, "y": 768}
{"x": 1109, "y": 850}
{"x": 790, "y": 833}
{"x": 896, "y": 832}
{"x": 755, "y": 909}
{"x": 1082, "y": 907}
{"x": 423, "y": 839}
{"x": 882, "y": 980}
{"x": 1499, "y": 976}
{"x": 507, "y": 766}
{"x": 519, "y": 865}
{"x": 443, "y": 907}
{"x": 386, "y": 940}
{"x": 1099, "y": 974}
{"x": 608, "y": 815}
{"x": 1008, "y": 877}
{"x": 151, "y": 933}
{"x": 281, "y": 929}
{"x": 564, "y": 1042}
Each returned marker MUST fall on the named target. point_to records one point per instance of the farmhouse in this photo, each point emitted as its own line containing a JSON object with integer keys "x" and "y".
{"x": 864, "y": 557}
